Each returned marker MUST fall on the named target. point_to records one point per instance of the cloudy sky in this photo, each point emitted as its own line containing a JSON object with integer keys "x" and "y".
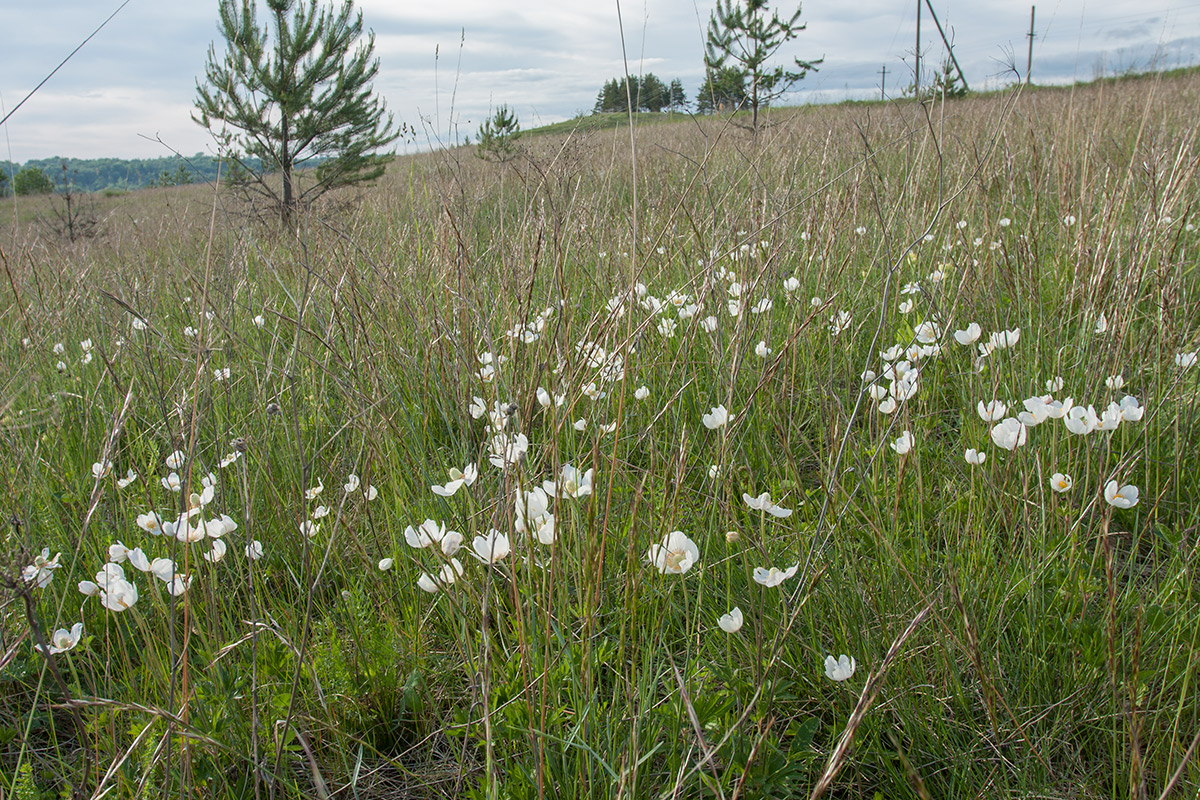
{"x": 445, "y": 63}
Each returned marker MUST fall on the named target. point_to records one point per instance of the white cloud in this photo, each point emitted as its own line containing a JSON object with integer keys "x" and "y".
{"x": 545, "y": 58}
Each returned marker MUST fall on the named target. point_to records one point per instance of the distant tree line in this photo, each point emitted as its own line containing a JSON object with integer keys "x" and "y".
{"x": 744, "y": 38}
{"x": 100, "y": 174}
{"x": 648, "y": 92}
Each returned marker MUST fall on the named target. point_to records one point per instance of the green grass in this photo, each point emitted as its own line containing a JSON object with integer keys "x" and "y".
{"x": 1010, "y": 641}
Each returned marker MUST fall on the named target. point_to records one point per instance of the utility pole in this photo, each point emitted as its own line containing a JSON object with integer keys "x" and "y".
{"x": 961, "y": 75}
{"x": 1029, "y": 60}
{"x": 883, "y": 82}
{"x": 917, "y": 59}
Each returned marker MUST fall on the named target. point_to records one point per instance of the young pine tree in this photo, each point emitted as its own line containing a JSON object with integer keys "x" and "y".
{"x": 294, "y": 92}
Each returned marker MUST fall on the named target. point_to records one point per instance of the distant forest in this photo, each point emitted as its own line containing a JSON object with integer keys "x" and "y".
{"x": 117, "y": 174}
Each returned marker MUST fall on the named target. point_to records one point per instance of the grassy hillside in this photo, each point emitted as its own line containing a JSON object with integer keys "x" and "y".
{"x": 587, "y": 367}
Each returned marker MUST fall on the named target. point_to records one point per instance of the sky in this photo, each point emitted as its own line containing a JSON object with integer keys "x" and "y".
{"x": 444, "y": 65}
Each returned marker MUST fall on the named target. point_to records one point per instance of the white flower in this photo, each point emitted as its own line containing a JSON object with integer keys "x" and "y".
{"x": 1115, "y": 382}
{"x": 448, "y": 575}
{"x": 217, "y": 553}
{"x": 260, "y": 321}
{"x": 969, "y": 335}
{"x": 63, "y": 640}
{"x": 458, "y": 477}
{"x": 533, "y": 515}
{"x": 708, "y": 324}
{"x": 1101, "y": 323}
{"x": 477, "y": 408}
{"x": 1080, "y": 420}
{"x": 179, "y": 585}
{"x": 580, "y": 424}
{"x": 1131, "y": 410}
{"x": 312, "y": 492}
{"x": 642, "y": 393}
{"x": 1121, "y": 496}
{"x": 906, "y": 306}
{"x": 254, "y": 550}
{"x": 1061, "y": 482}
{"x": 150, "y": 522}
{"x": 385, "y": 564}
{"x": 431, "y": 532}
{"x": 1009, "y": 434}
{"x": 676, "y": 555}
{"x": 1005, "y": 222}
{"x": 118, "y": 552}
{"x": 887, "y": 405}
{"x": 903, "y": 443}
{"x": 791, "y": 284}
{"x": 130, "y": 477}
{"x": 172, "y": 482}
{"x": 718, "y": 417}
{"x": 1186, "y": 360}
{"x": 773, "y": 576}
{"x": 1069, "y": 220}
{"x": 733, "y": 621}
{"x": 310, "y": 528}
{"x": 1037, "y": 411}
{"x": 762, "y": 306}
{"x": 763, "y": 503}
{"x": 352, "y": 484}
{"x": 572, "y": 483}
{"x": 507, "y": 450}
{"x": 991, "y": 411}
{"x": 59, "y": 348}
{"x": 1002, "y": 340}
{"x": 975, "y": 457}
{"x": 841, "y": 668}
{"x": 1055, "y": 384}
{"x": 176, "y": 459}
{"x": 761, "y": 350}
{"x": 101, "y": 471}
{"x": 41, "y": 571}
{"x": 714, "y": 471}
{"x": 491, "y": 547}
{"x": 839, "y": 322}
{"x": 221, "y": 374}
{"x": 118, "y": 594}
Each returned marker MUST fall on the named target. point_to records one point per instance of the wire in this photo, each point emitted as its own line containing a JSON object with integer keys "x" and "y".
{"x": 63, "y": 62}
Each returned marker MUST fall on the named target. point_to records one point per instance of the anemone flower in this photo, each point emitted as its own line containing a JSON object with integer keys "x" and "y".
{"x": 1121, "y": 496}
{"x": 763, "y": 503}
{"x": 718, "y": 417}
{"x": 733, "y": 621}
{"x": 63, "y": 640}
{"x": 974, "y": 457}
{"x": 1009, "y": 434}
{"x": 458, "y": 478}
{"x": 968, "y": 335}
{"x": 676, "y": 555}
{"x": 491, "y": 547}
{"x": 1061, "y": 482}
{"x": 903, "y": 444}
{"x": 840, "y": 668}
{"x": 773, "y": 576}
{"x": 992, "y": 411}
{"x": 571, "y": 483}
{"x": 41, "y": 572}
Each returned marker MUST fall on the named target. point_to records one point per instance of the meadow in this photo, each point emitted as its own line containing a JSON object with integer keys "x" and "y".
{"x": 857, "y": 459}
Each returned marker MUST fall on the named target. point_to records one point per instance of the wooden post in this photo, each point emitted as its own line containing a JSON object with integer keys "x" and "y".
{"x": 1029, "y": 59}
{"x": 917, "y": 60}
